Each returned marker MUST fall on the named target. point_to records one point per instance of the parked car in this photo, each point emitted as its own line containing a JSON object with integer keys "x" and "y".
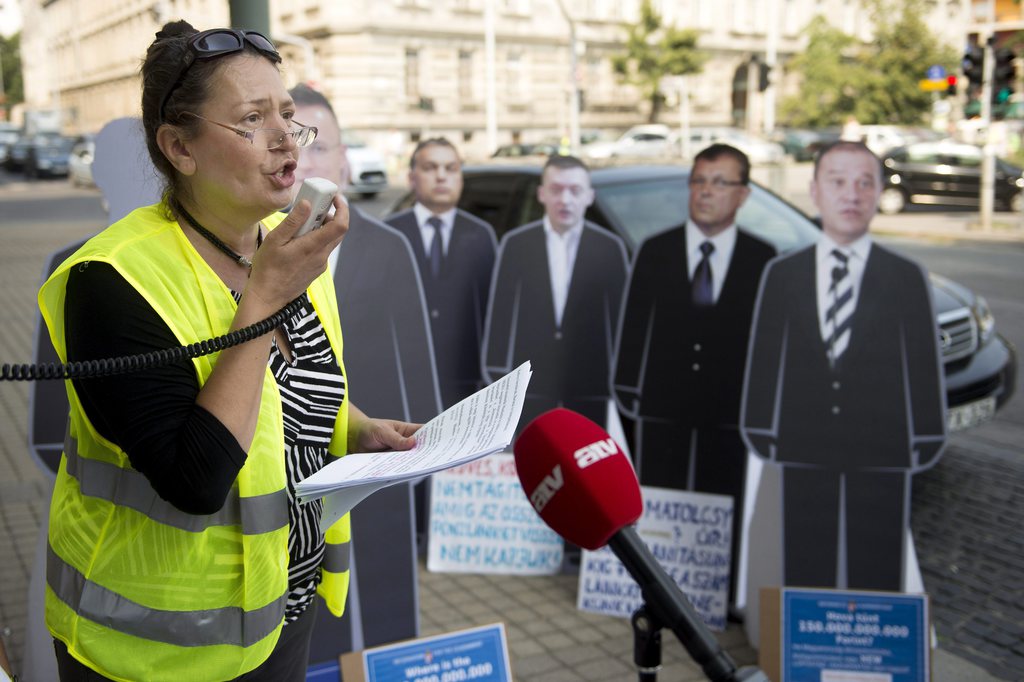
{"x": 520, "y": 149}
{"x": 637, "y": 201}
{"x": 17, "y": 153}
{"x": 947, "y": 173}
{"x": 757, "y": 150}
{"x": 654, "y": 139}
{"x": 803, "y": 143}
{"x": 368, "y": 171}
{"x": 882, "y": 138}
{"x": 48, "y": 156}
{"x": 80, "y": 162}
{"x": 8, "y": 136}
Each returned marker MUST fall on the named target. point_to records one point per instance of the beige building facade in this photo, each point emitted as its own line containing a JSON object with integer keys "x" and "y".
{"x": 397, "y": 70}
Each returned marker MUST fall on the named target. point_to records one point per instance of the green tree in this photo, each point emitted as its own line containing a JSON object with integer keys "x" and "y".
{"x": 896, "y": 62}
{"x": 828, "y": 91}
{"x": 654, "y": 51}
{"x": 876, "y": 82}
{"x": 10, "y": 62}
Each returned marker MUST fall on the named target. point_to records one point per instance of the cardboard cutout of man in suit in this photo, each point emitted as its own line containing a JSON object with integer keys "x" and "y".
{"x": 122, "y": 170}
{"x": 844, "y": 387}
{"x": 390, "y": 366}
{"x": 555, "y": 299}
{"x": 455, "y": 268}
{"x": 683, "y": 340}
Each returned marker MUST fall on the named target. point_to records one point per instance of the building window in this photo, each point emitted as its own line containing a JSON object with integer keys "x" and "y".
{"x": 466, "y": 93}
{"x": 514, "y": 77}
{"x": 517, "y": 7}
{"x": 412, "y": 75}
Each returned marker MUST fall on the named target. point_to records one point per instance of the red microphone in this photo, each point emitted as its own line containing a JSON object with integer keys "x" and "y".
{"x": 577, "y": 478}
{"x": 584, "y": 487}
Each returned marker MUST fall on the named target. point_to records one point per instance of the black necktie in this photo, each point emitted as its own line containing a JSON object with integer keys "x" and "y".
{"x": 703, "y": 289}
{"x": 436, "y": 247}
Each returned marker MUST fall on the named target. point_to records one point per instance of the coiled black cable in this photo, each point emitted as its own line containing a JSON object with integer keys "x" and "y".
{"x": 158, "y": 358}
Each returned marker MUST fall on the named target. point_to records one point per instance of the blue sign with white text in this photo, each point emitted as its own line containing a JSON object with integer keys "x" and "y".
{"x": 828, "y": 634}
{"x": 478, "y": 655}
{"x": 936, "y": 72}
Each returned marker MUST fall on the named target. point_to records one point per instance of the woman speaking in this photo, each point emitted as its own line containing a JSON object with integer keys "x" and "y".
{"x": 177, "y": 550}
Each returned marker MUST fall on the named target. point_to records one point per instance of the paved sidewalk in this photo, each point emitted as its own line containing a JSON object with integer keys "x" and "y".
{"x": 549, "y": 640}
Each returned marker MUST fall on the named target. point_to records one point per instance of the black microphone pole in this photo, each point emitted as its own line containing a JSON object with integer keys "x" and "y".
{"x": 666, "y": 603}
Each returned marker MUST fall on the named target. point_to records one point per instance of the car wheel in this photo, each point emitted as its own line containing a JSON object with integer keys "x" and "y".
{"x": 892, "y": 201}
{"x": 1017, "y": 202}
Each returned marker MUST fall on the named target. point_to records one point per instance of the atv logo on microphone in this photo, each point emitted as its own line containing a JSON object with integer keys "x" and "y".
{"x": 595, "y": 452}
{"x": 546, "y": 489}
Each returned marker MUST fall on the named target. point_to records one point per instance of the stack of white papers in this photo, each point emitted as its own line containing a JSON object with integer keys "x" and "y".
{"x": 481, "y": 425}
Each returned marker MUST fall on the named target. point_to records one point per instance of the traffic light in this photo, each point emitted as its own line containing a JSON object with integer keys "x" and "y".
{"x": 951, "y": 85}
{"x": 1003, "y": 75}
{"x": 762, "y": 79}
{"x": 973, "y": 65}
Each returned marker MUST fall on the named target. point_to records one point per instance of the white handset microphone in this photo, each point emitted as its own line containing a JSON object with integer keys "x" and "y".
{"x": 320, "y": 193}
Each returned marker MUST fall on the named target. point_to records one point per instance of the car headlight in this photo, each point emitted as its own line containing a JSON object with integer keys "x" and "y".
{"x": 984, "y": 318}
{"x": 1019, "y": 182}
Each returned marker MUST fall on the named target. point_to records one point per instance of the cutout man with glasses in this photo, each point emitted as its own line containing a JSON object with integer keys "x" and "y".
{"x": 682, "y": 344}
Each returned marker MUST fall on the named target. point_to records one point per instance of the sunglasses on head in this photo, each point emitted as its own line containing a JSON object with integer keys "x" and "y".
{"x": 218, "y": 42}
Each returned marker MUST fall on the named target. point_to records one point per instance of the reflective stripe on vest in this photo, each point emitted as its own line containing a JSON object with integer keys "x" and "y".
{"x": 208, "y": 627}
{"x": 337, "y": 557}
{"x": 131, "y": 489}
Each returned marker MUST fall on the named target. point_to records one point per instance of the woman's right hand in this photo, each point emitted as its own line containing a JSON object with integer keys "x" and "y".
{"x": 286, "y": 264}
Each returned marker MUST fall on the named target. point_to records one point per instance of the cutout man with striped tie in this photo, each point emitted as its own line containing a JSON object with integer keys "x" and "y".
{"x": 844, "y": 387}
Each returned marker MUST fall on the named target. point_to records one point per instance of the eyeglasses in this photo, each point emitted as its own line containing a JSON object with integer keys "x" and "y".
{"x": 268, "y": 138}
{"x": 715, "y": 183}
{"x": 217, "y": 42}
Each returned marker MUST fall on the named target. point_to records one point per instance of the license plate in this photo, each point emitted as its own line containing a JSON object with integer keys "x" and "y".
{"x": 970, "y": 414}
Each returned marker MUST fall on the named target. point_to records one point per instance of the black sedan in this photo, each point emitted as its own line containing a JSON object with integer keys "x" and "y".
{"x": 638, "y": 201}
{"x": 48, "y": 156}
{"x": 945, "y": 173}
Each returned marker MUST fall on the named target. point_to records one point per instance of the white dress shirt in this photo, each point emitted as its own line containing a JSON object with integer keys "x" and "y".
{"x": 423, "y": 214}
{"x": 724, "y": 243}
{"x": 858, "y": 252}
{"x": 562, "y": 250}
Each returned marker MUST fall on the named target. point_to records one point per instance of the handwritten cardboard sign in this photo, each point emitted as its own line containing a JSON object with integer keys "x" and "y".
{"x": 481, "y": 522}
{"x": 690, "y": 534}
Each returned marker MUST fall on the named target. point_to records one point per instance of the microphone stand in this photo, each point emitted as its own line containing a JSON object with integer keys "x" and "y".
{"x": 646, "y": 646}
{"x": 665, "y": 605}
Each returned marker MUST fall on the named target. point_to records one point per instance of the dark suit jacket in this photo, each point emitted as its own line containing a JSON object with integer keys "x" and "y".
{"x": 457, "y": 301}
{"x": 883, "y": 404}
{"x": 571, "y": 361}
{"x": 388, "y": 351}
{"x": 677, "y": 361}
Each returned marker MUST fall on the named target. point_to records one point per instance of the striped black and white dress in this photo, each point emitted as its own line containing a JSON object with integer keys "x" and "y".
{"x": 312, "y": 388}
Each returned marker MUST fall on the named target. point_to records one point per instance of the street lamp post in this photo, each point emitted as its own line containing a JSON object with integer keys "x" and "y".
{"x": 491, "y": 105}
{"x": 574, "y": 86}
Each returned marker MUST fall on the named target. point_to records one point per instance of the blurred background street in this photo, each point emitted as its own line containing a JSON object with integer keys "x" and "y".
{"x": 966, "y": 519}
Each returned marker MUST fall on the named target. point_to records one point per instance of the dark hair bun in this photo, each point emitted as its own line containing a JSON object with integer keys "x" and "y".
{"x": 175, "y": 28}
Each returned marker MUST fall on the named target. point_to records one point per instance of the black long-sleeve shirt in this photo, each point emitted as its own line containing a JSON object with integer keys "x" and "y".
{"x": 188, "y": 455}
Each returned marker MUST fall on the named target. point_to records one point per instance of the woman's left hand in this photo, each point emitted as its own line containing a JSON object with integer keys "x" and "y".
{"x": 366, "y": 434}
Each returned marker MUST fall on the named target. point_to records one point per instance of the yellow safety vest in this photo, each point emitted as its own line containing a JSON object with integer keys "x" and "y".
{"x": 137, "y": 589}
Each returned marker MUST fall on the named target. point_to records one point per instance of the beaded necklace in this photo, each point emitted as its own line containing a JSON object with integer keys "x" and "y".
{"x": 215, "y": 240}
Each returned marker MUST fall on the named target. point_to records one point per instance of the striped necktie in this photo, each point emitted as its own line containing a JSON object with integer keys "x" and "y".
{"x": 840, "y": 311}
